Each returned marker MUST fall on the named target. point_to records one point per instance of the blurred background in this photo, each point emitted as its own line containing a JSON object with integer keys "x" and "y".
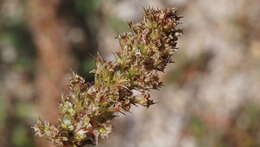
{"x": 211, "y": 97}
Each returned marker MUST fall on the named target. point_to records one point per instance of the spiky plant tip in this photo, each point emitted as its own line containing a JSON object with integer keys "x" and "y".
{"x": 87, "y": 109}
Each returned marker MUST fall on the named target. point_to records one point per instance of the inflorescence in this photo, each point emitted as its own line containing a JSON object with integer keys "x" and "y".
{"x": 87, "y": 109}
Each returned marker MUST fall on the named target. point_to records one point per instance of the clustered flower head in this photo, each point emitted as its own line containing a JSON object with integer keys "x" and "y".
{"x": 88, "y": 108}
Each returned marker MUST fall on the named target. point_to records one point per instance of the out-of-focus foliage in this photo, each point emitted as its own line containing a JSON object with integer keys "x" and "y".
{"x": 241, "y": 130}
{"x": 2, "y": 112}
{"x": 18, "y": 61}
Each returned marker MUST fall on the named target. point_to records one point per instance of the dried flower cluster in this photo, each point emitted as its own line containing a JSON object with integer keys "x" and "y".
{"x": 88, "y": 108}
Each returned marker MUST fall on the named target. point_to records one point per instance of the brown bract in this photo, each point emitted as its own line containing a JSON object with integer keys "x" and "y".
{"x": 88, "y": 108}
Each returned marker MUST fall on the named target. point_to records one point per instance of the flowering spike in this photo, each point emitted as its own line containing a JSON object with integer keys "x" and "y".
{"x": 87, "y": 109}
